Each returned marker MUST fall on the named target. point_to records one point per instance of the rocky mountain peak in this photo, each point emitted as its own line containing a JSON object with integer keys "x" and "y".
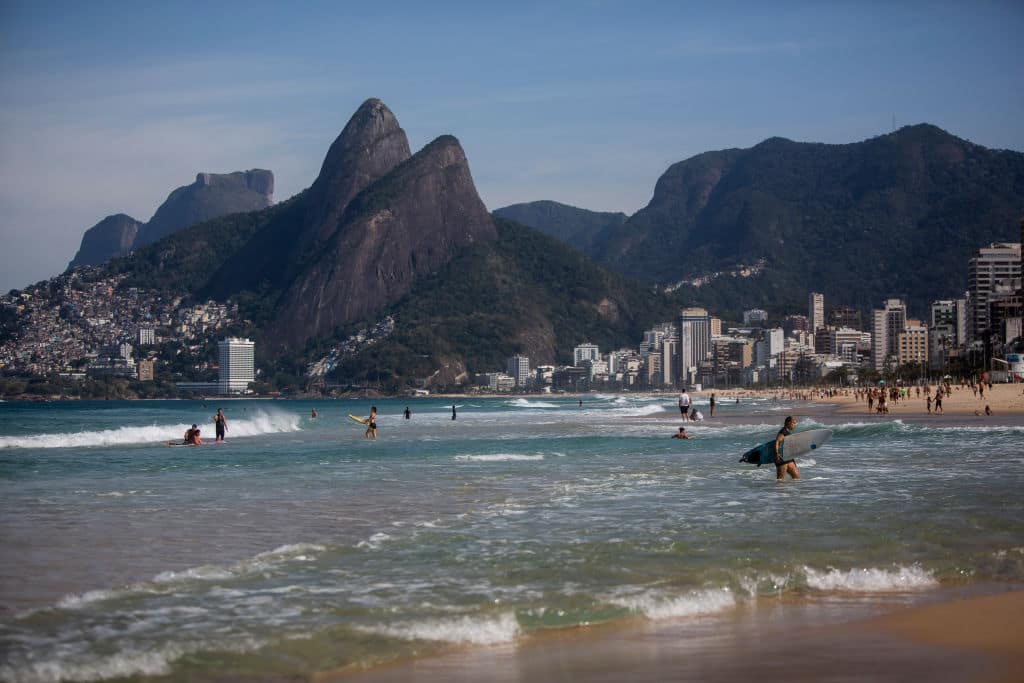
{"x": 112, "y": 236}
{"x": 371, "y": 144}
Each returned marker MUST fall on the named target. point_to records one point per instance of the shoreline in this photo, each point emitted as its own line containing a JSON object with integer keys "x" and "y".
{"x": 966, "y": 633}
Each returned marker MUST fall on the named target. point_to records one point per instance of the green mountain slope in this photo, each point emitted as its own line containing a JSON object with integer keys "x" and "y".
{"x": 574, "y": 226}
{"x": 894, "y": 215}
{"x": 522, "y": 293}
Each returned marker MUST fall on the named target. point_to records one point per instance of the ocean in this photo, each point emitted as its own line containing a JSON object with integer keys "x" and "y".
{"x": 298, "y": 546}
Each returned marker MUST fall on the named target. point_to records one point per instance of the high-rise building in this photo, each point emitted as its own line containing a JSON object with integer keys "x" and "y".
{"x": 518, "y": 367}
{"x": 716, "y": 327}
{"x": 993, "y": 267}
{"x": 792, "y": 324}
{"x": 584, "y": 352}
{"x": 237, "y": 365}
{"x": 694, "y": 342}
{"x": 888, "y": 321}
{"x": 816, "y": 311}
{"x": 147, "y": 336}
{"x": 912, "y": 344}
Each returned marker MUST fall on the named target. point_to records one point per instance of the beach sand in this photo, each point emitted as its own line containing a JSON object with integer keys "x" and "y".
{"x": 960, "y": 638}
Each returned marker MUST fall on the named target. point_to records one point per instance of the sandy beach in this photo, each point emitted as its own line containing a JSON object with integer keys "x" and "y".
{"x": 953, "y": 637}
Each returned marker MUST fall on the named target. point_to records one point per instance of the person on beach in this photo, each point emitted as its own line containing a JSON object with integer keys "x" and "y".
{"x": 696, "y": 415}
{"x": 371, "y": 424}
{"x": 784, "y": 466}
{"x": 928, "y": 404}
{"x": 220, "y": 425}
{"x": 988, "y": 411}
{"x": 681, "y": 434}
{"x": 684, "y": 404}
{"x": 313, "y": 414}
{"x": 711, "y": 406}
{"x": 407, "y": 413}
{"x": 938, "y": 401}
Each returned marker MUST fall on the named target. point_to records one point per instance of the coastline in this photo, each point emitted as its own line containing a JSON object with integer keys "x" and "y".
{"x": 950, "y": 635}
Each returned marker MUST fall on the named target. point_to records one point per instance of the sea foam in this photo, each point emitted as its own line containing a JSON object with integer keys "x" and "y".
{"x": 655, "y": 604}
{"x": 260, "y": 423}
{"x": 474, "y": 630}
{"x": 870, "y": 580}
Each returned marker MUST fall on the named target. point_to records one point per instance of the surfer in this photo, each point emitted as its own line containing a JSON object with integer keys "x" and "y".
{"x": 784, "y": 466}
{"x": 681, "y": 434}
{"x": 371, "y": 424}
{"x": 220, "y": 424}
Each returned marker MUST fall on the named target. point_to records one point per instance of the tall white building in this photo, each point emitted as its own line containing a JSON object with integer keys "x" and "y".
{"x": 888, "y": 322}
{"x": 237, "y": 365}
{"x": 147, "y": 336}
{"x": 997, "y": 265}
{"x": 694, "y": 342}
{"x": 816, "y": 311}
{"x": 584, "y": 352}
{"x": 518, "y": 367}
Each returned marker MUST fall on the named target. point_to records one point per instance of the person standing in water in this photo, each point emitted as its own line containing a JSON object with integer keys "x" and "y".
{"x": 711, "y": 406}
{"x": 684, "y": 405}
{"x": 784, "y": 466}
{"x": 220, "y": 424}
{"x": 453, "y": 411}
{"x": 408, "y": 413}
{"x": 371, "y": 424}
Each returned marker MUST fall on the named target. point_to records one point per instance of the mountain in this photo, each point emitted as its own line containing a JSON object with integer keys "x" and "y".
{"x": 523, "y": 292}
{"x": 403, "y": 227}
{"x": 112, "y": 236}
{"x": 897, "y": 214}
{"x": 373, "y": 223}
{"x": 577, "y": 227}
{"x": 211, "y": 195}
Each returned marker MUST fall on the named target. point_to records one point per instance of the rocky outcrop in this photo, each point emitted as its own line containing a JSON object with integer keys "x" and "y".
{"x": 401, "y": 228}
{"x": 371, "y": 144}
{"x": 112, "y": 236}
{"x": 210, "y": 196}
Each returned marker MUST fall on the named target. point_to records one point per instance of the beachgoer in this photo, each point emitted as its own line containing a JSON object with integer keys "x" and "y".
{"x": 453, "y": 412}
{"x": 684, "y": 404}
{"x": 928, "y": 402}
{"x": 711, "y": 406}
{"x": 314, "y": 413}
{"x": 988, "y": 411}
{"x": 220, "y": 425}
{"x": 784, "y": 466}
{"x": 681, "y": 434}
{"x": 192, "y": 437}
{"x": 581, "y": 403}
{"x": 696, "y": 416}
{"x": 938, "y": 401}
{"x": 408, "y": 414}
{"x": 371, "y": 424}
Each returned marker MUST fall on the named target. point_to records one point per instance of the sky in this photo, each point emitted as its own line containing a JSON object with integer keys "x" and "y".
{"x": 106, "y": 107}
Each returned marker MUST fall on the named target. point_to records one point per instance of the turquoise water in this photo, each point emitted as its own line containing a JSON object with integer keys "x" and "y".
{"x": 299, "y": 546}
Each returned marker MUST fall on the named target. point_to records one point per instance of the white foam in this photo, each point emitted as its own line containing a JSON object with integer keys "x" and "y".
{"x": 497, "y": 457}
{"x": 374, "y": 541}
{"x": 655, "y": 604}
{"x": 466, "y": 629}
{"x": 870, "y": 580}
{"x": 523, "y": 403}
{"x": 259, "y": 423}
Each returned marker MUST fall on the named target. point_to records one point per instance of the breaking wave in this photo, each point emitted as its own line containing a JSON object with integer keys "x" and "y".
{"x": 260, "y": 423}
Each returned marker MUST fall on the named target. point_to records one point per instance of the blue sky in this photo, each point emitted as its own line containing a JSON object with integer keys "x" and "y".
{"x": 106, "y": 107}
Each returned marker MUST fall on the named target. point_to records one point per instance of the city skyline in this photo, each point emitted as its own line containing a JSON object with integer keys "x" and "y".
{"x": 584, "y": 103}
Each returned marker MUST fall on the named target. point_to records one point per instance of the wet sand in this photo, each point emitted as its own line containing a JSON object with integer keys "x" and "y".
{"x": 955, "y": 637}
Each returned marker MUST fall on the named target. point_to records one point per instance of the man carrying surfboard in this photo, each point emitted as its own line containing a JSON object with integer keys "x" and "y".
{"x": 784, "y": 466}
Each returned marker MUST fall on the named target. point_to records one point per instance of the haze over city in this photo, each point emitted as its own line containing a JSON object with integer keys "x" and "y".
{"x": 106, "y": 108}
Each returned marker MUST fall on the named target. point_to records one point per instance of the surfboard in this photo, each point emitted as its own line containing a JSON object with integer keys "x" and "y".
{"x": 360, "y": 420}
{"x": 794, "y": 445}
